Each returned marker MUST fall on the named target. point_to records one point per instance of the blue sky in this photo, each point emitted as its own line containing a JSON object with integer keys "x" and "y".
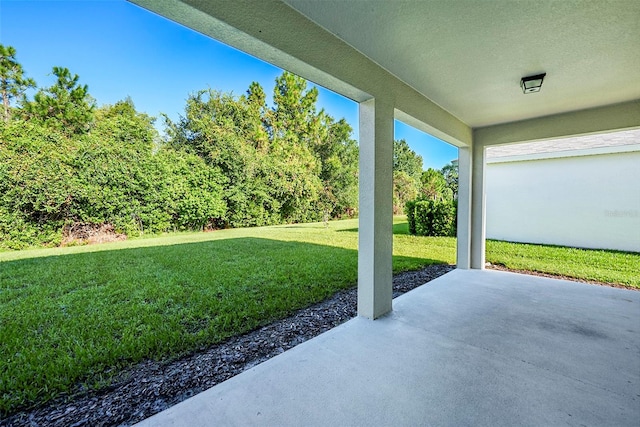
{"x": 120, "y": 50}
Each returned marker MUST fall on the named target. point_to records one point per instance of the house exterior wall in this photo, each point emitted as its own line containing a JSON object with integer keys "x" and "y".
{"x": 584, "y": 199}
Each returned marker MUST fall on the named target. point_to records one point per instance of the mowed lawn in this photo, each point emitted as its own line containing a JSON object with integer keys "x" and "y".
{"x": 614, "y": 267}
{"x": 76, "y": 316}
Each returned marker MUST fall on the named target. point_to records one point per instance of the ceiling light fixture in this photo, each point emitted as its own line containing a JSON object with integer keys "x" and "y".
{"x": 532, "y": 83}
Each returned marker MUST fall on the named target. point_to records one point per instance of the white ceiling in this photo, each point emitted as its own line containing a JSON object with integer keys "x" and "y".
{"x": 468, "y": 55}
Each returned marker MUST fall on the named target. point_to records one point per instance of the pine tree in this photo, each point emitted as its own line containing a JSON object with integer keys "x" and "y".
{"x": 13, "y": 84}
{"x": 66, "y": 105}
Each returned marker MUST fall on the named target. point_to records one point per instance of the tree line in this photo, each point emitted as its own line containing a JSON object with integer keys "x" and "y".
{"x": 227, "y": 161}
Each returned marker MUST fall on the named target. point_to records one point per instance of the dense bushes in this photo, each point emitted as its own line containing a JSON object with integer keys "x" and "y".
{"x": 434, "y": 212}
{"x": 49, "y": 179}
{"x": 431, "y": 217}
{"x": 228, "y": 161}
{"x": 36, "y": 184}
{"x": 284, "y": 164}
{"x": 410, "y": 211}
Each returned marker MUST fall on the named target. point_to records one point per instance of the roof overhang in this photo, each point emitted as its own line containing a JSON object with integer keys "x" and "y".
{"x": 451, "y": 68}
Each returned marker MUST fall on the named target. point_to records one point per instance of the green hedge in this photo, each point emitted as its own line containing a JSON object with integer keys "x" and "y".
{"x": 410, "y": 211}
{"x": 431, "y": 218}
{"x": 49, "y": 180}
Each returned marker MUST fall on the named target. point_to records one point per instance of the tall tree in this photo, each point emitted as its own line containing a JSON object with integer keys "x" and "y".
{"x": 338, "y": 157}
{"x": 13, "y": 83}
{"x": 288, "y": 163}
{"x": 294, "y": 110}
{"x": 257, "y": 116}
{"x": 226, "y": 132}
{"x": 406, "y": 160}
{"x": 434, "y": 186}
{"x": 404, "y": 189}
{"x": 294, "y": 125}
{"x": 66, "y": 105}
{"x": 450, "y": 173}
{"x": 407, "y": 170}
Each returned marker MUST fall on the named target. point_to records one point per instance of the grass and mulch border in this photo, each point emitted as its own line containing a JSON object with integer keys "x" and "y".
{"x": 73, "y": 319}
{"x": 152, "y": 386}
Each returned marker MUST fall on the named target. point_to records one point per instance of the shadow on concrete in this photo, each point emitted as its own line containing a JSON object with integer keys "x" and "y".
{"x": 481, "y": 348}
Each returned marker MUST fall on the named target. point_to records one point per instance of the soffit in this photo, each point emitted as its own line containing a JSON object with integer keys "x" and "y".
{"x": 468, "y": 56}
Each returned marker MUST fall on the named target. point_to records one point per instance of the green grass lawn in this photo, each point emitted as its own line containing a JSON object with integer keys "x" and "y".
{"x": 622, "y": 268}
{"x": 78, "y": 315}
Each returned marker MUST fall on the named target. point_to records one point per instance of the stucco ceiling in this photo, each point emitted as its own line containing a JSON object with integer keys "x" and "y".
{"x": 468, "y": 55}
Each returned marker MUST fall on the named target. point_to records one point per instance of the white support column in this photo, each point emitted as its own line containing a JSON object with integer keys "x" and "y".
{"x": 375, "y": 236}
{"x": 477, "y": 206}
{"x": 463, "y": 259}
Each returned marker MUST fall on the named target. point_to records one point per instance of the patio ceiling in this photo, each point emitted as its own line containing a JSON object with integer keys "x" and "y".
{"x": 468, "y": 56}
{"x": 449, "y": 67}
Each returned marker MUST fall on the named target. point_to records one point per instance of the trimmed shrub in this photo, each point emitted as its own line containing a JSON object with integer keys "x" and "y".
{"x": 410, "y": 210}
{"x": 431, "y": 218}
{"x": 443, "y": 220}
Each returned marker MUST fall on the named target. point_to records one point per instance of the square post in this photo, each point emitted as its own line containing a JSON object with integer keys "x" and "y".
{"x": 375, "y": 231}
{"x": 463, "y": 258}
{"x": 478, "y": 234}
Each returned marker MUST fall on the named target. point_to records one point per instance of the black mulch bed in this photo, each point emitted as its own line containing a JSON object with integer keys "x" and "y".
{"x": 151, "y": 386}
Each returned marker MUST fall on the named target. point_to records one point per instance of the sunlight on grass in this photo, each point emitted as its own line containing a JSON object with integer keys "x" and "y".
{"x": 81, "y": 314}
{"x": 616, "y": 267}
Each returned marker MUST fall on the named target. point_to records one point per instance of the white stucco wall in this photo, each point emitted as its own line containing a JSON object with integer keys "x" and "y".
{"x": 584, "y": 199}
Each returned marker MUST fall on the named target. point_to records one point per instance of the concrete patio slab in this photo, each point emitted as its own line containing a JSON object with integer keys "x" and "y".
{"x": 481, "y": 348}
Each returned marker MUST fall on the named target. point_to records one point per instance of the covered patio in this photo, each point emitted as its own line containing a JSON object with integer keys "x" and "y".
{"x": 475, "y": 347}
{"x": 481, "y": 348}
{"x": 452, "y": 69}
